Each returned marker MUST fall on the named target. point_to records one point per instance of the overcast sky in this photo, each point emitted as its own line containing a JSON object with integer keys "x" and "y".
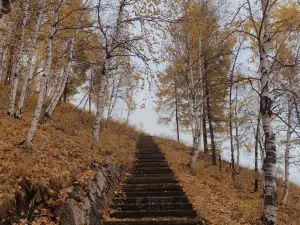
{"x": 147, "y": 119}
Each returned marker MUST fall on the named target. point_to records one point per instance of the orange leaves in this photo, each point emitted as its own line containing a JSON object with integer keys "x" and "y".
{"x": 64, "y": 194}
{"x": 44, "y": 221}
{"x": 85, "y": 177}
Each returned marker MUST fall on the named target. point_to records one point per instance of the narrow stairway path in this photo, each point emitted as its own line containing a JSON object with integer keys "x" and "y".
{"x": 151, "y": 194}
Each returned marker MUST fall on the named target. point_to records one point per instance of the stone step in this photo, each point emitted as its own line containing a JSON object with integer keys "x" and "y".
{"x": 156, "y": 177}
{"x": 136, "y": 172}
{"x": 151, "y": 160}
{"x": 151, "y": 189}
{"x": 153, "y": 181}
{"x": 154, "y": 214}
{"x": 151, "y": 164}
{"x": 161, "y": 175}
{"x": 148, "y": 157}
{"x": 150, "y": 194}
{"x": 153, "y": 199}
{"x": 153, "y": 206}
{"x": 158, "y": 185}
{"x": 152, "y": 168}
{"x": 152, "y": 222}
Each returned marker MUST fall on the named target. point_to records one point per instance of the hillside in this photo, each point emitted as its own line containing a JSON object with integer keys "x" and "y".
{"x": 220, "y": 200}
{"x": 61, "y": 154}
{"x": 61, "y": 151}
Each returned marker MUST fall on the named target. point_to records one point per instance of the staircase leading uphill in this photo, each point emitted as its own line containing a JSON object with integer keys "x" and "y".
{"x": 152, "y": 195}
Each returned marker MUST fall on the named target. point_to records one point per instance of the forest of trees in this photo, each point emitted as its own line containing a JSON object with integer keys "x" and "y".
{"x": 230, "y": 71}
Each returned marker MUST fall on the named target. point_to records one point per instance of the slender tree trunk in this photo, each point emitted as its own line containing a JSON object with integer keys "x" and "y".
{"x": 100, "y": 105}
{"x": 3, "y": 61}
{"x": 205, "y": 142}
{"x": 62, "y": 87}
{"x": 237, "y": 141}
{"x": 270, "y": 190}
{"x": 9, "y": 69}
{"x": 220, "y": 161}
{"x": 209, "y": 116}
{"x": 236, "y": 127}
{"x": 111, "y": 99}
{"x": 176, "y": 107}
{"x": 90, "y": 101}
{"x": 287, "y": 154}
{"x": 66, "y": 91}
{"x": 193, "y": 101}
{"x": 18, "y": 63}
{"x": 44, "y": 77}
{"x": 32, "y": 56}
{"x": 199, "y": 110}
{"x": 211, "y": 132}
{"x": 176, "y": 113}
{"x": 256, "y": 154}
{"x": 230, "y": 123}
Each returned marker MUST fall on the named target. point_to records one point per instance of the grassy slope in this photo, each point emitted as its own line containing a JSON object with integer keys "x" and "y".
{"x": 61, "y": 150}
{"x": 217, "y": 198}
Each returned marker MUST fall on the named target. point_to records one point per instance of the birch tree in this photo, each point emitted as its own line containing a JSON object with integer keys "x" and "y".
{"x": 44, "y": 77}
{"x": 32, "y": 56}
{"x": 270, "y": 188}
{"x": 118, "y": 42}
{"x": 61, "y": 87}
{"x": 18, "y": 62}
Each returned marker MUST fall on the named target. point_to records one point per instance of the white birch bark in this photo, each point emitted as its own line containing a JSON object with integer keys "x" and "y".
{"x": 192, "y": 99}
{"x": 270, "y": 189}
{"x": 104, "y": 75}
{"x": 100, "y": 105}
{"x": 44, "y": 77}
{"x": 18, "y": 63}
{"x": 287, "y": 154}
{"x": 3, "y": 61}
{"x": 198, "y": 113}
{"x": 237, "y": 140}
{"x": 32, "y": 56}
{"x": 61, "y": 87}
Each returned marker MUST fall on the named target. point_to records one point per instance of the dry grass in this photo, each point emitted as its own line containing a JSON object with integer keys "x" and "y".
{"x": 61, "y": 150}
{"x": 220, "y": 200}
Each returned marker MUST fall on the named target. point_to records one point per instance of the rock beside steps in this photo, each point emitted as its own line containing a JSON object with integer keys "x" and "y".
{"x": 152, "y": 194}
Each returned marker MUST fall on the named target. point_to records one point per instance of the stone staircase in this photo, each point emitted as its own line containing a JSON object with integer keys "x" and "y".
{"x": 152, "y": 195}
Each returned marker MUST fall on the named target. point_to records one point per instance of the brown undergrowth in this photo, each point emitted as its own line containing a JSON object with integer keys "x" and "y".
{"x": 61, "y": 150}
{"x": 219, "y": 199}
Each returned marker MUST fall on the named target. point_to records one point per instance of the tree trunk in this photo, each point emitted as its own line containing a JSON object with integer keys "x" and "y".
{"x": 270, "y": 190}
{"x": 256, "y": 154}
{"x": 236, "y": 127}
{"x": 220, "y": 161}
{"x": 43, "y": 80}
{"x": 62, "y": 87}
{"x": 66, "y": 91}
{"x": 32, "y": 56}
{"x": 9, "y": 68}
{"x": 199, "y": 110}
{"x": 3, "y": 61}
{"x": 205, "y": 143}
{"x": 18, "y": 63}
{"x": 90, "y": 97}
{"x": 176, "y": 111}
{"x": 100, "y": 105}
{"x": 287, "y": 154}
{"x": 209, "y": 116}
{"x": 230, "y": 123}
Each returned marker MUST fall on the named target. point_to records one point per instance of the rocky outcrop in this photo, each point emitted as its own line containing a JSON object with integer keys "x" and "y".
{"x": 85, "y": 203}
